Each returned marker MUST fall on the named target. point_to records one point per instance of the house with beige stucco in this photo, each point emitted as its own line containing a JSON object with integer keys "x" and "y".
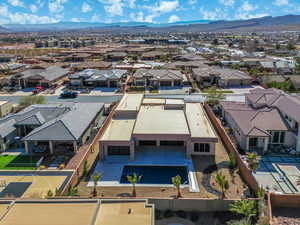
{"x": 140, "y": 123}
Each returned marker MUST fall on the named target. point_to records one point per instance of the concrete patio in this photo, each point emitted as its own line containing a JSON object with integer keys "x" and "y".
{"x": 111, "y": 168}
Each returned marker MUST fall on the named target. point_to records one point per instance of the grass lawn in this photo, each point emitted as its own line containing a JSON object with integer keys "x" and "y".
{"x": 21, "y": 162}
{"x": 218, "y": 91}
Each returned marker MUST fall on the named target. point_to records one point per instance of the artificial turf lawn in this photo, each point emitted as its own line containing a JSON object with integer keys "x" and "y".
{"x": 20, "y": 162}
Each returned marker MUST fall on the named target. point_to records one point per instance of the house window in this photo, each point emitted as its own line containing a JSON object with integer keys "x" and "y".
{"x": 201, "y": 147}
{"x": 277, "y": 137}
{"x": 253, "y": 142}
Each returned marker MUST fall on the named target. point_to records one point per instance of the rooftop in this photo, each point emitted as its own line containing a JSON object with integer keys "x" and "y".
{"x": 130, "y": 102}
{"x": 119, "y": 130}
{"x": 199, "y": 124}
{"x": 157, "y": 120}
{"x": 77, "y": 212}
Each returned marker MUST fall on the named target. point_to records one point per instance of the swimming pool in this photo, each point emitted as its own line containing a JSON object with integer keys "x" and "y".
{"x": 155, "y": 174}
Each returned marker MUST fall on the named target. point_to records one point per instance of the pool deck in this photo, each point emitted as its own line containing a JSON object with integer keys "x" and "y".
{"x": 112, "y": 167}
{"x": 279, "y": 174}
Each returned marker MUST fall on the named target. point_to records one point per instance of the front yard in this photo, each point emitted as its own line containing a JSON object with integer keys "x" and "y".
{"x": 18, "y": 162}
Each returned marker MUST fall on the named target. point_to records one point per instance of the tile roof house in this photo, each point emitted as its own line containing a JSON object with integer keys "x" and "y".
{"x": 268, "y": 118}
{"x": 98, "y": 78}
{"x": 35, "y": 77}
{"x": 222, "y": 77}
{"x": 53, "y": 125}
{"x": 157, "y": 77}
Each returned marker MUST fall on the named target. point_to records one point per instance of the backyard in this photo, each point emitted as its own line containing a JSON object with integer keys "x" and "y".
{"x": 18, "y": 162}
{"x": 206, "y": 168}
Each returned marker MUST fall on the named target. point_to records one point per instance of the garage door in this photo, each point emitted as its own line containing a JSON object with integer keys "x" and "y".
{"x": 165, "y": 83}
{"x": 118, "y": 150}
{"x": 147, "y": 143}
{"x": 172, "y": 143}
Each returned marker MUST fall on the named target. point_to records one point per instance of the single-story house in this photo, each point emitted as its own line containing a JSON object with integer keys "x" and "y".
{"x": 255, "y": 129}
{"x": 222, "y": 77}
{"x": 39, "y": 77}
{"x": 98, "y": 78}
{"x": 100, "y": 65}
{"x": 53, "y": 127}
{"x": 153, "y": 55}
{"x": 140, "y": 123}
{"x": 116, "y": 56}
{"x": 157, "y": 77}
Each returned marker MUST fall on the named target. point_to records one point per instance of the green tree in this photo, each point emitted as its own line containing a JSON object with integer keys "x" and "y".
{"x": 214, "y": 96}
{"x": 215, "y": 42}
{"x": 134, "y": 179}
{"x": 253, "y": 161}
{"x": 247, "y": 208}
{"x": 72, "y": 191}
{"x": 177, "y": 182}
{"x": 291, "y": 46}
{"x": 261, "y": 193}
{"x": 223, "y": 183}
{"x": 297, "y": 66}
{"x": 96, "y": 177}
{"x": 277, "y": 46}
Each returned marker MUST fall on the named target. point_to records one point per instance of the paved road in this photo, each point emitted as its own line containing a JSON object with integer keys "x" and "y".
{"x": 113, "y": 98}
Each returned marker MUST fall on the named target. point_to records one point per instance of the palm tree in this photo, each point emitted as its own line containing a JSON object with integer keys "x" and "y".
{"x": 96, "y": 177}
{"x": 177, "y": 182}
{"x": 133, "y": 179}
{"x": 222, "y": 182}
{"x": 253, "y": 161}
{"x": 245, "y": 207}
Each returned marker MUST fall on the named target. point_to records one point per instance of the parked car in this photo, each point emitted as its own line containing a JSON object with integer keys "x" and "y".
{"x": 69, "y": 94}
{"x": 38, "y": 89}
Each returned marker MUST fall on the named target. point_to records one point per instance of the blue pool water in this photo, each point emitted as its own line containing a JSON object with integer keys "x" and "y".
{"x": 155, "y": 174}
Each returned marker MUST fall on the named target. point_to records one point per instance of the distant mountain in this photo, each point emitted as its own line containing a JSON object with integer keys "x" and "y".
{"x": 280, "y": 23}
{"x": 86, "y": 25}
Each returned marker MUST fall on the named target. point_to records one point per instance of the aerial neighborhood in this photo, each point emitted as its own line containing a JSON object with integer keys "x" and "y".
{"x": 186, "y": 124}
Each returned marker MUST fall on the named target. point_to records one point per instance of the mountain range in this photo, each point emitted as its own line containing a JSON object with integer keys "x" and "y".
{"x": 280, "y": 23}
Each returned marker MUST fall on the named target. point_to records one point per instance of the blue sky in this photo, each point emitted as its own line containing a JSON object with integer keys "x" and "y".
{"x": 157, "y": 11}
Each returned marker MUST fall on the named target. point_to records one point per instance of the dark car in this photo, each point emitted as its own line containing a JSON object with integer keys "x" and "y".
{"x": 69, "y": 94}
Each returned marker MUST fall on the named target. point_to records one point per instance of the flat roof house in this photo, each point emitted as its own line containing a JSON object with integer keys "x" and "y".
{"x": 157, "y": 78}
{"x": 77, "y": 212}
{"x": 141, "y": 122}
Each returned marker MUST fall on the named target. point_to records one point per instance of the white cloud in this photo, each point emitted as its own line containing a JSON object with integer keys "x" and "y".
{"x": 281, "y": 2}
{"x": 33, "y": 8}
{"x": 75, "y": 19}
{"x": 216, "y": 14}
{"x": 247, "y": 7}
{"x": 18, "y": 3}
{"x": 227, "y": 2}
{"x": 56, "y": 6}
{"x": 173, "y": 19}
{"x": 164, "y": 7}
{"x": 86, "y": 7}
{"x": 113, "y": 7}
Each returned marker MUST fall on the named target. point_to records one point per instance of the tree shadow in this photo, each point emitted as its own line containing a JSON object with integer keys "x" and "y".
{"x": 124, "y": 195}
